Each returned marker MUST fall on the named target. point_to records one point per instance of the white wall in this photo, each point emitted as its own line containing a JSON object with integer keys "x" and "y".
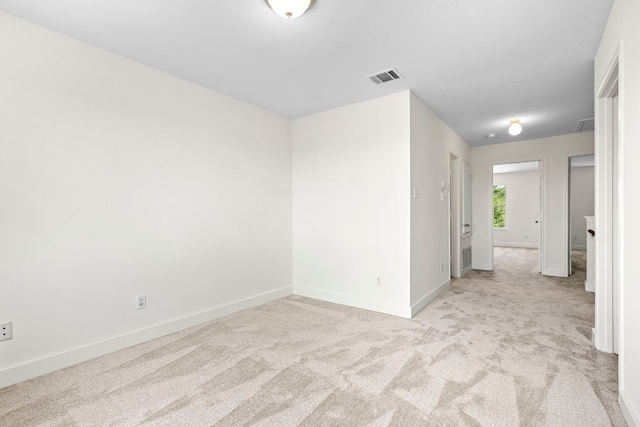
{"x": 622, "y": 31}
{"x": 118, "y": 180}
{"x": 581, "y": 200}
{"x": 432, "y": 143}
{"x": 555, "y": 153}
{"x": 354, "y": 216}
{"x": 351, "y": 204}
{"x": 522, "y": 209}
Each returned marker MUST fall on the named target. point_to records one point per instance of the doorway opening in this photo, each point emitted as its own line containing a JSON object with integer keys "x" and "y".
{"x": 517, "y": 213}
{"x": 581, "y": 179}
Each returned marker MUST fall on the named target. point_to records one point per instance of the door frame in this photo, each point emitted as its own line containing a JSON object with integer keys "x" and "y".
{"x": 454, "y": 215}
{"x": 603, "y": 334}
{"x": 542, "y": 161}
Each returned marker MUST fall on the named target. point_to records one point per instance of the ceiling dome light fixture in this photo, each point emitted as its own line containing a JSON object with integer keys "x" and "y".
{"x": 289, "y": 9}
{"x": 515, "y": 127}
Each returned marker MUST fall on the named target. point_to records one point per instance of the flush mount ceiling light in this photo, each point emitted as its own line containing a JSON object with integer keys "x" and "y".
{"x": 515, "y": 127}
{"x": 289, "y": 9}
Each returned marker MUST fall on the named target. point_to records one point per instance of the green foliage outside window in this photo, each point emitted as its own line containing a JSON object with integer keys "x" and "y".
{"x": 499, "y": 206}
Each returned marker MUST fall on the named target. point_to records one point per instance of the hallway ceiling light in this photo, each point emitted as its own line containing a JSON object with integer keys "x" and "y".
{"x": 515, "y": 127}
{"x": 289, "y": 9}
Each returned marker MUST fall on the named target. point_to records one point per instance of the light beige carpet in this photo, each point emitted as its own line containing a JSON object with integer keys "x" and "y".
{"x": 502, "y": 348}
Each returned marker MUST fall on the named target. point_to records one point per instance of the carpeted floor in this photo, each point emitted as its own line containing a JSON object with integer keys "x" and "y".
{"x": 502, "y": 348}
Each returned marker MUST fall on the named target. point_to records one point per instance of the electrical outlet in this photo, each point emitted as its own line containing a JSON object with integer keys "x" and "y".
{"x": 442, "y": 266}
{"x": 141, "y": 302}
{"x": 6, "y": 331}
{"x": 379, "y": 281}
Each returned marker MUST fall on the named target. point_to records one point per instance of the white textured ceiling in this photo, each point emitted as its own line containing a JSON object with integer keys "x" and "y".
{"x": 477, "y": 64}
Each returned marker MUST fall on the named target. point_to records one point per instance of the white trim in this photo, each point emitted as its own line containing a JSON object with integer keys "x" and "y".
{"x": 588, "y": 287}
{"x": 455, "y": 238}
{"x": 579, "y": 248}
{"x": 354, "y": 301}
{"x": 517, "y": 245}
{"x": 631, "y": 413}
{"x": 425, "y": 300}
{"x": 603, "y": 202}
{"x": 555, "y": 272}
{"x": 67, "y": 358}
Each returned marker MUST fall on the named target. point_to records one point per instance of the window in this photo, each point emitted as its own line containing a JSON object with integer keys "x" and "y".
{"x": 499, "y": 206}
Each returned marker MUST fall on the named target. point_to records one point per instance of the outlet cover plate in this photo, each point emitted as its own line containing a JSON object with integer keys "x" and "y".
{"x": 6, "y": 331}
{"x": 141, "y": 302}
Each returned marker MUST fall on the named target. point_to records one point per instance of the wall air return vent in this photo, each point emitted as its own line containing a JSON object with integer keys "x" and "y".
{"x": 466, "y": 258}
{"x": 385, "y": 76}
{"x": 585, "y": 125}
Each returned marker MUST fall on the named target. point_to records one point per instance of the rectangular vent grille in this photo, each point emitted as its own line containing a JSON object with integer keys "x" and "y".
{"x": 585, "y": 125}
{"x": 466, "y": 258}
{"x": 385, "y": 76}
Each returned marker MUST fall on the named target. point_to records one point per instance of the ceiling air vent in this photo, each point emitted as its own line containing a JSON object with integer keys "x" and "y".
{"x": 385, "y": 76}
{"x": 585, "y": 125}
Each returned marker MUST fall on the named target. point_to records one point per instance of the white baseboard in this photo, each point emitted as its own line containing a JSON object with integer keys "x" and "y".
{"x": 631, "y": 414}
{"x": 517, "y": 245}
{"x": 589, "y": 287}
{"x": 425, "y": 300}
{"x": 32, "y": 369}
{"x": 555, "y": 272}
{"x": 579, "y": 247}
{"x": 594, "y": 337}
{"x": 354, "y": 301}
{"x": 481, "y": 267}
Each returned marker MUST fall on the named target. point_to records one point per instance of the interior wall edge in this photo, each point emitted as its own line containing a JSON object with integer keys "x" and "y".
{"x": 35, "y": 368}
